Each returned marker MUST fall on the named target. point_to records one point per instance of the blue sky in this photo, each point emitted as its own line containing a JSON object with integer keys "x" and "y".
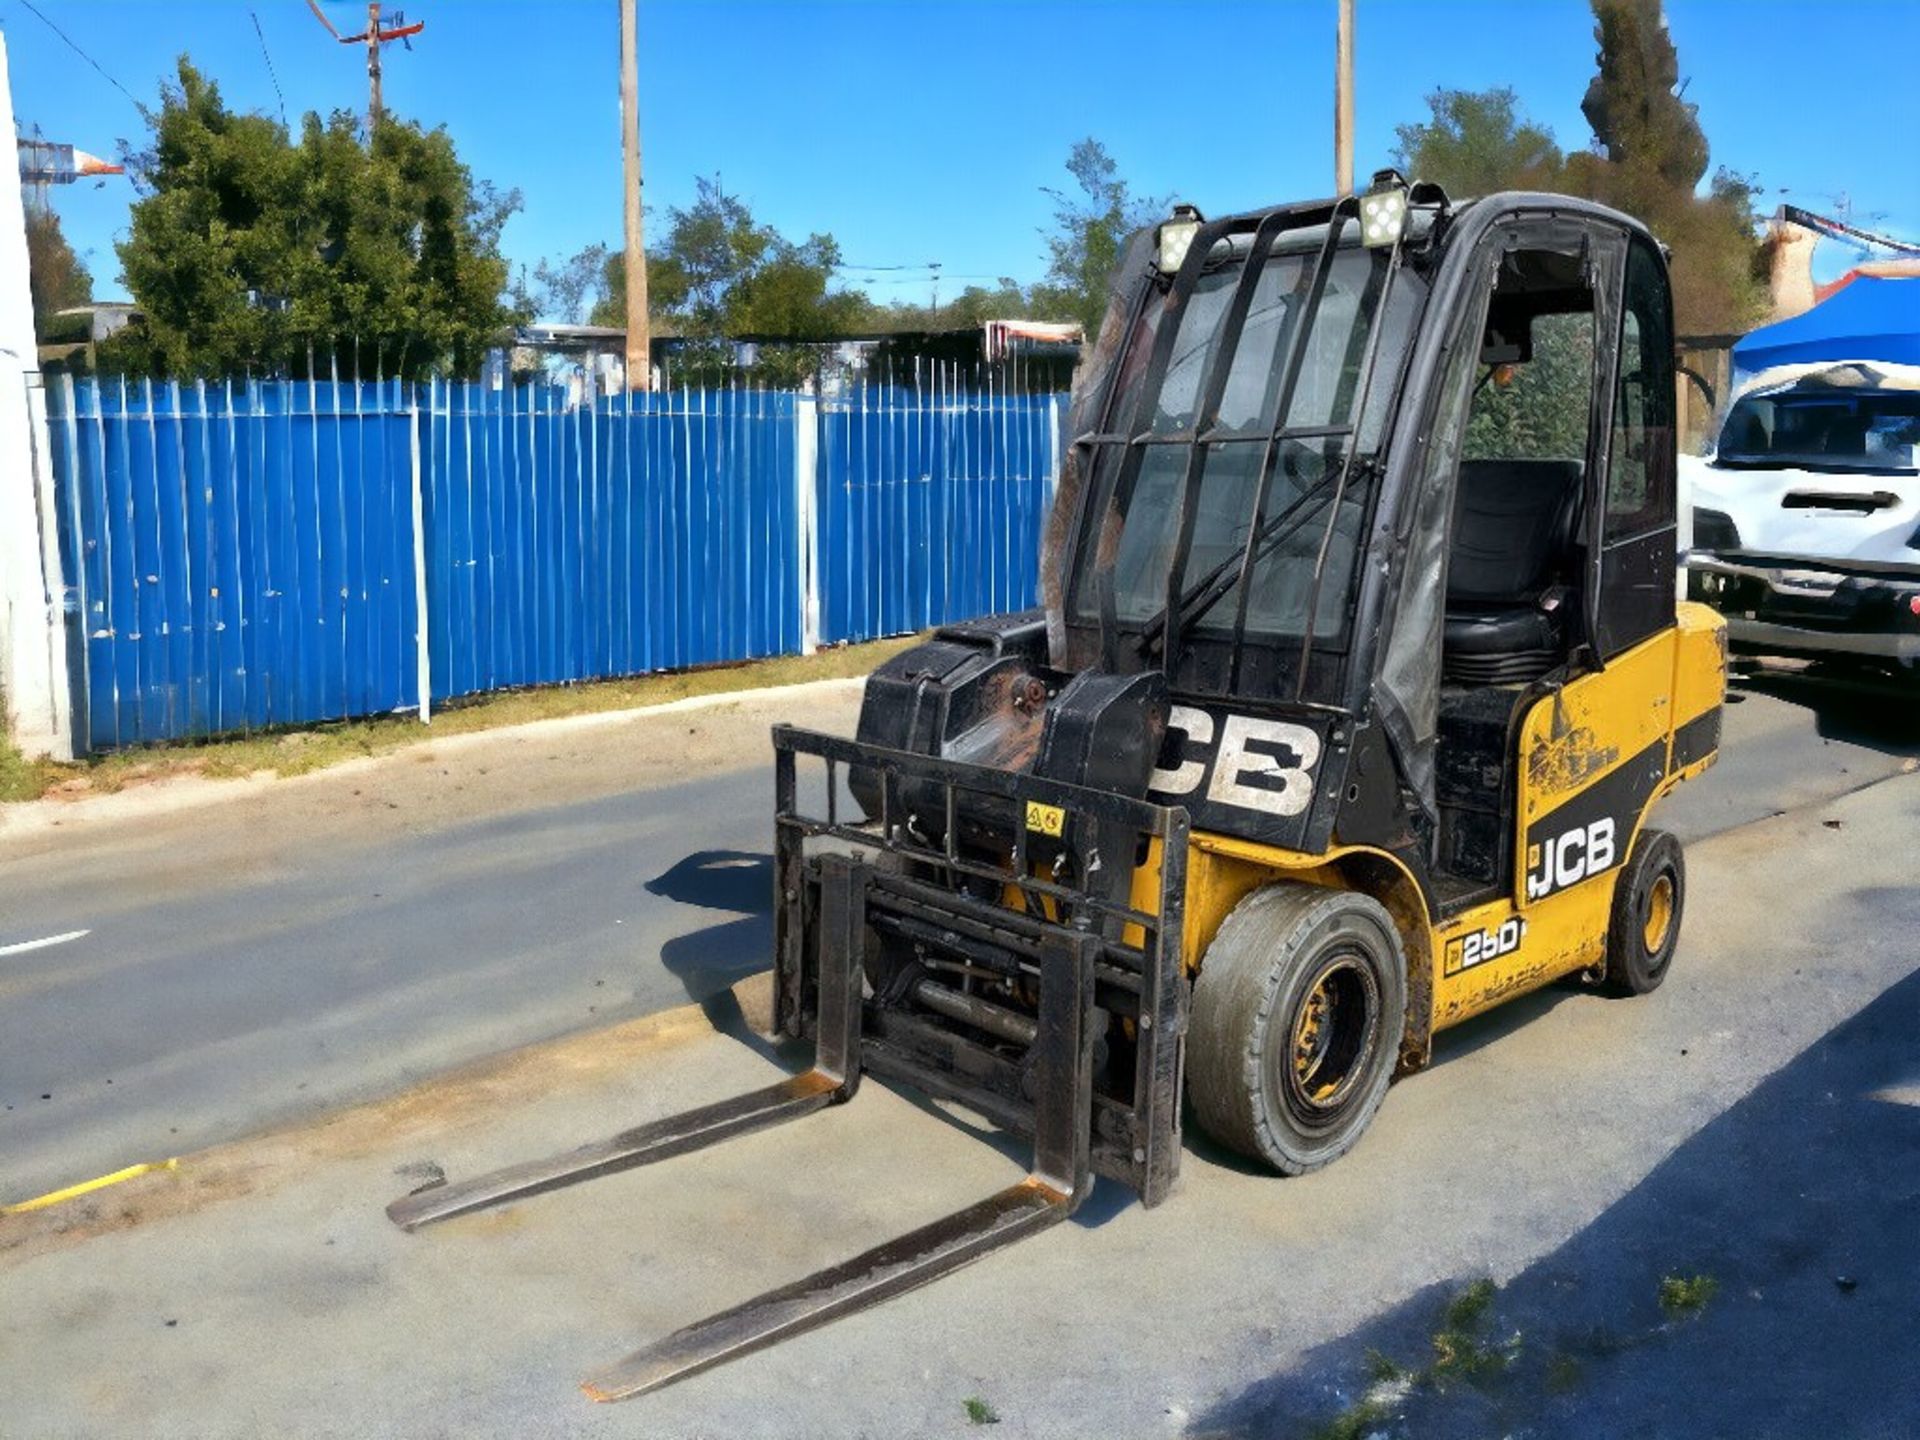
{"x": 924, "y": 131}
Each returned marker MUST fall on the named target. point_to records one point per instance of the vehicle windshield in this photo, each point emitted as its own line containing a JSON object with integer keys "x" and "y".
{"x": 1305, "y": 512}
{"x": 1825, "y": 428}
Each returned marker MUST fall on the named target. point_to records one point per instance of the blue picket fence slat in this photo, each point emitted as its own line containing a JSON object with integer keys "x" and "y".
{"x": 242, "y": 554}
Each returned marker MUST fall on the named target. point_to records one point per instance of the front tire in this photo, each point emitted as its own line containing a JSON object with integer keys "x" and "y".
{"x": 1649, "y": 898}
{"x": 1297, "y": 1016}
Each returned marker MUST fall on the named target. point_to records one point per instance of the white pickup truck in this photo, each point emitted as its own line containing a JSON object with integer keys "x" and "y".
{"x": 1806, "y": 514}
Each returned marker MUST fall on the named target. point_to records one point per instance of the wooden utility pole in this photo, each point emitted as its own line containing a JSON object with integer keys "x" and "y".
{"x": 373, "y": 38}
{"x": 639, "y": 346}
{"x": 1343, "y": 104}
{"x": 373, "y": 64}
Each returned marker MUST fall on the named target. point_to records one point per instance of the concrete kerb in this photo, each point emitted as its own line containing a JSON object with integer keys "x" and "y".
{"x": 172, "y": 794}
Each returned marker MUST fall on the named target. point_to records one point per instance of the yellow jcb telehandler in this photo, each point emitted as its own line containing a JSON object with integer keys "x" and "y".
{"x": 1359, "y": 671}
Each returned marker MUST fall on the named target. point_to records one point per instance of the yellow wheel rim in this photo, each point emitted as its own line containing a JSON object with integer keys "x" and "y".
{"x": 1659, "y": 915}
{"x": 1310, "y": 1039}
{"x": 1332, "y": 1038}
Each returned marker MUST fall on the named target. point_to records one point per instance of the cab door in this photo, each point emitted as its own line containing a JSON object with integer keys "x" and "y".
{"x": 1634, "y": 531}
{"x": 1593, "y": 752}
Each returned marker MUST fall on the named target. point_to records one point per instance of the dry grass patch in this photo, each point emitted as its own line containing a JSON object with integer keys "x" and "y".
{"x": 298, "y": 752}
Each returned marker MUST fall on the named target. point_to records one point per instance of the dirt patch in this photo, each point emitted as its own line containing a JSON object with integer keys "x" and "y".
{"x": 299, "y": 752}
{"x": 459, "y": 1101}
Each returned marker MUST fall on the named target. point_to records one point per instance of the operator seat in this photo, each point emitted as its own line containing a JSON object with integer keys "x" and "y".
{"x": 1513, "y": 530}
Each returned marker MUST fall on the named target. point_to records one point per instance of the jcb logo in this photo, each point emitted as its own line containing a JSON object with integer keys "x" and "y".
{"x": 1255, "y": 764}
{"x": 1569, "y": 858}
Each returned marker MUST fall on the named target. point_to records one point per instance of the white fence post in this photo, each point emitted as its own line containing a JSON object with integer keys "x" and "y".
{"x": 806, "y": 477}
{"x": 33, "y": 638}
{"x": 422, "y": 654}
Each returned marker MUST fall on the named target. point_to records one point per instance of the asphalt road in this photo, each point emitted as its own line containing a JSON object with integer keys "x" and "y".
{"x": 239, "y": 971}
{"x": 234, "y": 970}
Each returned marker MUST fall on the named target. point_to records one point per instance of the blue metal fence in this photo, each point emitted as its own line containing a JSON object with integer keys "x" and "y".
{"x": 931, "y": 506}
{"x": 236, "y": 556}
{"x": 249, "y": 554}
{"x": 641, "y": 532}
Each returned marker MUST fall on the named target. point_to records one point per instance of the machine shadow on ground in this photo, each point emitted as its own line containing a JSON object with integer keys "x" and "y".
{"x": 1800, "y": 1205}
{"x": 1875, "y": 714}
{"x": 710, "y": 962}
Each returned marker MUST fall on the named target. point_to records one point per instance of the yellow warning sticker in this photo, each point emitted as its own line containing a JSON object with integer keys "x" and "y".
{"x": 1045, "y": 819}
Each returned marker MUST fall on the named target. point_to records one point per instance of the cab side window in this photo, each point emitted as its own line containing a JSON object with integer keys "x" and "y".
{"x": 1640, "y": 480}
{"x": 1538, "y": 410}
{"x": 1637, "y": 530}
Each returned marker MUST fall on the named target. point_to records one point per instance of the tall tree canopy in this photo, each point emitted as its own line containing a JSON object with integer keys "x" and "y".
{"x": 251, "y": 249}
{"x": 57, "y": 276}
{"x": 567, "y": 291}
{"x": 1475, "y": 143}
{"x": 1633, "y": 103}
{"x": 1648, "y": 157}
{"x": 717, "y": 272}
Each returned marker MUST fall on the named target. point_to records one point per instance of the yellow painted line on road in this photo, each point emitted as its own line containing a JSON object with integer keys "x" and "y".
{"x": 87, "y": 1187}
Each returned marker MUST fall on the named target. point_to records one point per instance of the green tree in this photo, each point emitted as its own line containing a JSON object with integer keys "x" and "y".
{"x": 1539, "y": 411}
{"x": 1649, "y": 157}
{"x": 718, "y": 273}
{"x": 611, "y": 307}
{"x": 970, "y": 309}
{"x": 251, "y": 249}
{"x": 1637, "y": 115}
{"x": 1649, "y": 154}
{"x": 569, "y": 291}
{"x": 1091, "y": 224}
{"x": 1477, "y": 142}
{"x": 58, "y": 278}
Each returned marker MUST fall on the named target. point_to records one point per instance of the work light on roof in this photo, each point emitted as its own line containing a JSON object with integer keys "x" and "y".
{"x": 1175, "y": 238}
{"x": 1383, "y": 210}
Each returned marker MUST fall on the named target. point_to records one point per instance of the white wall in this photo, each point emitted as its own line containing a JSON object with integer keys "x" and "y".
{"x": 33, "y": 656}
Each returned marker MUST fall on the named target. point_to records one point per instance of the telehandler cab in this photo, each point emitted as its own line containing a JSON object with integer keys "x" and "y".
{"x": 1359, "y": 670}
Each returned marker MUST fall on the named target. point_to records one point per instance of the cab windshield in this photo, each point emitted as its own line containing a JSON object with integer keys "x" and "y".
{"x": 1274, "y": 477}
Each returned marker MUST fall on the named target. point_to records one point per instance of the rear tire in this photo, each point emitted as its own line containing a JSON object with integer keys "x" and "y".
{"x": 1298, "y": 1011}
{"x": 1649, "y": 898}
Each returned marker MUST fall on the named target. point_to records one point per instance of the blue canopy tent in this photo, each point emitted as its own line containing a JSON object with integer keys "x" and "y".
{"x": 1869, "y": 319}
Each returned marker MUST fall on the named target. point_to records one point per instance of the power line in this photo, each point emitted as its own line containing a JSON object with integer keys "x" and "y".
{"x": 917, "y": 274}
{"x": 268, "y": 57}
{"x": 84, "y": 55}
{"x": 922, "y": 279}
